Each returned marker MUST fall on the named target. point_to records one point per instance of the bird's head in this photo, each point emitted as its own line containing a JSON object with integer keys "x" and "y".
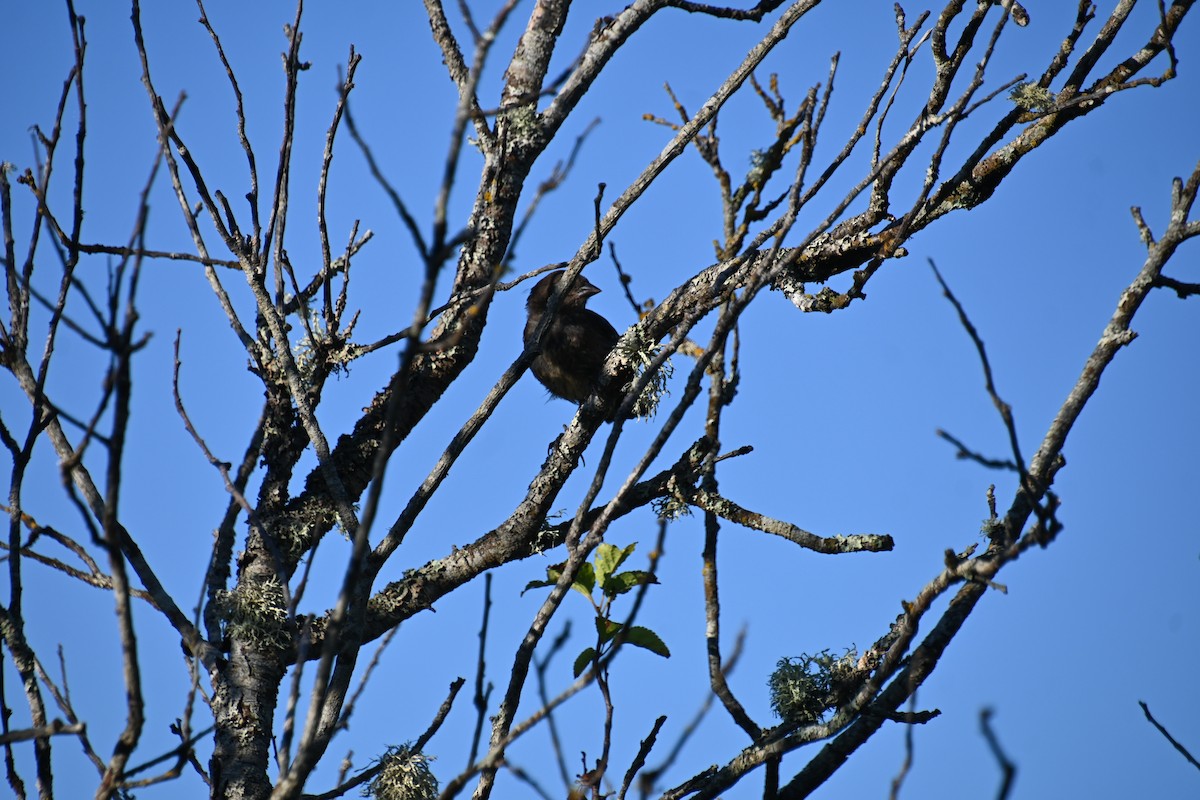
{"x": 577, "y": 297}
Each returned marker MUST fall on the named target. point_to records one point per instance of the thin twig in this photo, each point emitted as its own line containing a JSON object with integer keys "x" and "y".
{"x": 481, "y": 695}
{"x": 1183, "y": 750}
{"x": 1007, "y": 768}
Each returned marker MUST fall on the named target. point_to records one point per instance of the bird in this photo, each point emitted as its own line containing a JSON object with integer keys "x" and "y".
{"x": 574, "y": 346}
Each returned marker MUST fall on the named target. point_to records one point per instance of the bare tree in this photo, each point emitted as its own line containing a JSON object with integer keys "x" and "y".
{"x": 275, "y": 663}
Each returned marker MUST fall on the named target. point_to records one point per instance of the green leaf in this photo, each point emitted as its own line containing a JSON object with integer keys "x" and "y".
{"x": 648, "y": 640}
{"x": 608, "y": 558}
{"x": 537, "y": 585}
{"x": 607, "y": 629}
{"x": 622, "y": 582}
{"x": 584, "y": 660}
{"x": 585, "y": 579}
{"x": 606, "y": 561}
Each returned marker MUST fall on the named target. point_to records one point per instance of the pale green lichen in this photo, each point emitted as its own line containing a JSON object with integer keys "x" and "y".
{"x": 670, "y": 508}
{"x": 642, "y": 354}
{"x": 992, "y": 527}
{"x": 307, "y": 352}
{"x": 759, "y": 162}
{"x": 256, "y": 613}
{"x": 524, "y": 121}
{"x": 804, "y": 687}
{"x": 405, "y": 775}
{"x": 318, "y": 348}
{"x": 1032, "y": 97}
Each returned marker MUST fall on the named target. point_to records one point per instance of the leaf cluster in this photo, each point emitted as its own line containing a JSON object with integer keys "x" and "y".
{"x": 601, "y": 573}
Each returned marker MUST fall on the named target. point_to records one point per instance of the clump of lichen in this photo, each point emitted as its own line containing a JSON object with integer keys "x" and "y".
{"x": 642, "y": 354}
{"x": 992, "y": 528}
{"x": 319, "y": 349}
{"x": 670, "y": 508}
{"x": 256, "y": 612}
{"x": 760, "y": 164}
{"x": 1032, "y": 97}
{"x": 405, "y": 775}
{"x": 804, "y": 687}
{"x": 307, "y": 352}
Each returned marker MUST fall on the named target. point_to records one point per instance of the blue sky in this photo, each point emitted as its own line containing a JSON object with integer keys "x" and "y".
{"x": 841, "y": 409}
